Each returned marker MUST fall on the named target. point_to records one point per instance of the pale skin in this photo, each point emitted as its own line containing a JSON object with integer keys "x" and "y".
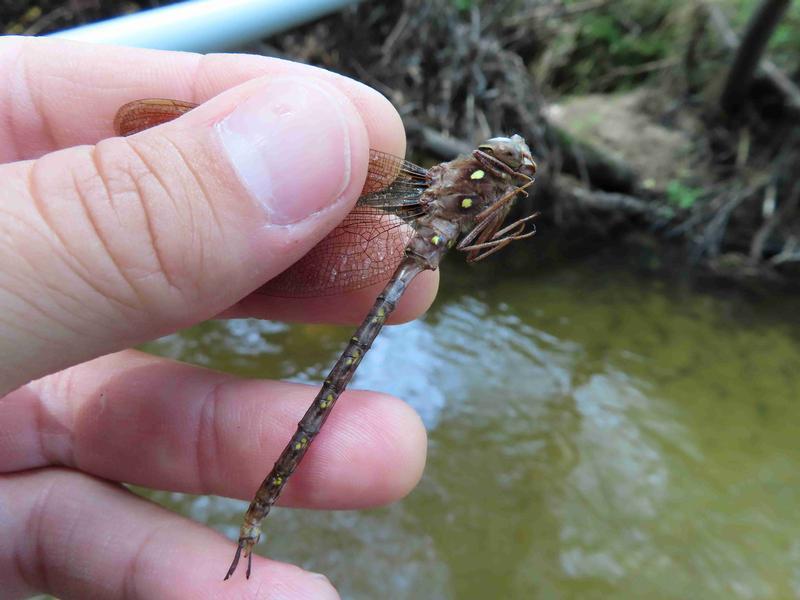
{"x": 107, "y": 243}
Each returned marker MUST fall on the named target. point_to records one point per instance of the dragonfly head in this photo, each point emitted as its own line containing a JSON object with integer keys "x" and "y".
{"x": 512, "y": 152}
{"x": 510, "y": 156}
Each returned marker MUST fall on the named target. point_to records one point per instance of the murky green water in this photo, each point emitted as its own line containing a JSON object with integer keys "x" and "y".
{"x": 592, "y": 435}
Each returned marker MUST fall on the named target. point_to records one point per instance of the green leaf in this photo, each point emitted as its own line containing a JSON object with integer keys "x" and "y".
{"x": 682, "y": 196}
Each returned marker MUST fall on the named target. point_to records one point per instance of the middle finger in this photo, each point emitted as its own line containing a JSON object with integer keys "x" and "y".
{"x": 149, "y": 421}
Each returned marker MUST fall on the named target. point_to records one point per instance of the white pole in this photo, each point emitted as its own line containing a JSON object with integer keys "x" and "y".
{"x": 203, "y": 25}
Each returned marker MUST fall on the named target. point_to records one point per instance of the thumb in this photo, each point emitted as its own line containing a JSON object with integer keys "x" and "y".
{"x": 103, "y": 247}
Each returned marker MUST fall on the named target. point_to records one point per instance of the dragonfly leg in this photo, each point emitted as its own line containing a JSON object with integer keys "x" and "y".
{"x": 495, "y": 246}
{"x": 518, "y": 226}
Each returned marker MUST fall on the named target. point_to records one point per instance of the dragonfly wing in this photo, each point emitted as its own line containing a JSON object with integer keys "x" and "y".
{"x": 362, "y": 250}
{"x": 139, "y": 115}
{"x": 386, "y": 169}
{"x": 366, "y": 247}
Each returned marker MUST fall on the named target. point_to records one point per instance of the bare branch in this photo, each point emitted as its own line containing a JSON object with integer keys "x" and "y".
{"x": 749, "y": 52}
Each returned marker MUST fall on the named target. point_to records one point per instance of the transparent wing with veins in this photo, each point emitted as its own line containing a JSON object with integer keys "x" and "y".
{"x": 364, "y": 249}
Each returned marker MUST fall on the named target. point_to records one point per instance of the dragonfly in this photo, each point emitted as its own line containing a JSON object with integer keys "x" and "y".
{"x": 404, "y": 222}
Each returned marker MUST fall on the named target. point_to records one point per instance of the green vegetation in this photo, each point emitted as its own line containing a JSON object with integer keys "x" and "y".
{"x": 619, "y": 45}
{"x": 682, "y": 195}
{"x": 616, "y": 47}
{"x": 463, "y": 4}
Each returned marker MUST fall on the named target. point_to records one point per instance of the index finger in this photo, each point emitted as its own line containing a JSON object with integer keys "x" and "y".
{"x": 51, "y": 104}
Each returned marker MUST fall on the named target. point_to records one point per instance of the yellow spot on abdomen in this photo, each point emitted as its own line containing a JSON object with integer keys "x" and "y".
{"x": 479, "y": 174}
{"x": 326, "y": 401}
{"x": 466, "y": 202}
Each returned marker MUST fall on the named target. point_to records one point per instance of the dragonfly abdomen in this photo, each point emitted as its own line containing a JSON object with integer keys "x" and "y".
{"x": 316, "y": 415}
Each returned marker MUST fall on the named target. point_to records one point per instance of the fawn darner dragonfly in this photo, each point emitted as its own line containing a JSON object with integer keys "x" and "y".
{"x": 462, "y": 203}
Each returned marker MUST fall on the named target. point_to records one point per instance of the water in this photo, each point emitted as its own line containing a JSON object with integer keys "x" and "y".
{"x": 591, "y": 435}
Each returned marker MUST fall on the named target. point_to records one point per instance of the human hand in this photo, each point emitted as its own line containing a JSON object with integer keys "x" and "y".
{"x": 107, "y": 243}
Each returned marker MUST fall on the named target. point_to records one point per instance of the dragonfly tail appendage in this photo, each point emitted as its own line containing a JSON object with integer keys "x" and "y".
{"x": 248, "y": 537}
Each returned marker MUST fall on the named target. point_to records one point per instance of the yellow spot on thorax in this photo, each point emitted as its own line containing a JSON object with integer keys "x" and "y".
{"x": 466, "y": 203}
{"x": 479, "y": 174}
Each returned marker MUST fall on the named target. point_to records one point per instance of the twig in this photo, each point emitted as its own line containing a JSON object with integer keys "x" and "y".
{"x": 655, "y": 65}
{"x": 790, "y": 252}
{"x": 391, "y": 39}
{"x": 748, "y": 55}
{"x": 554, "y": 11}
{"x": 711, "y": 239}
{"x": 47, "y": 20}
{"x": 781, "y": 82}
{"x": 779, "y": 216}
{"x": 437, "y": 142}
{"x": 612, "y": 202}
